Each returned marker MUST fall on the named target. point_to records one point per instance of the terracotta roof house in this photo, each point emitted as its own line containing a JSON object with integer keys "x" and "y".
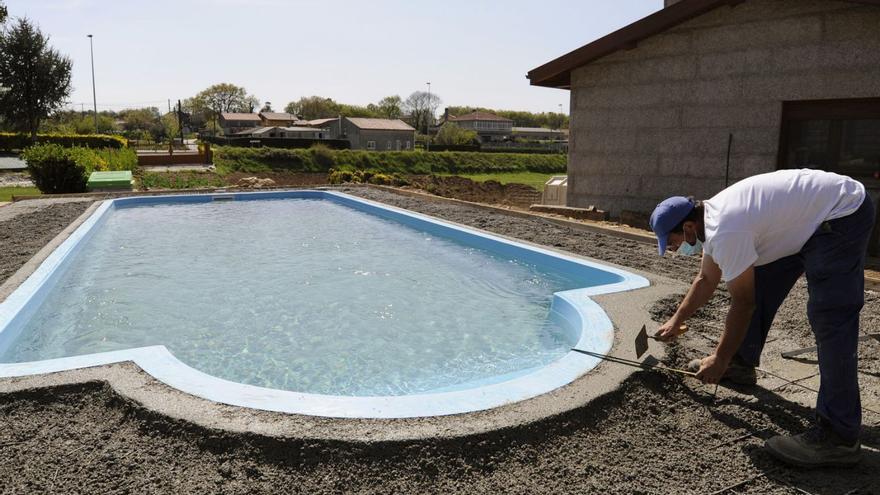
{"x": 703, "y": 93}
{"x": 232, "y": 123}
{"x": 488, "y": 126}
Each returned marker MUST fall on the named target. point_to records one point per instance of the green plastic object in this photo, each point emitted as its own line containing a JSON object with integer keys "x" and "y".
{"x": 110, "y": 180}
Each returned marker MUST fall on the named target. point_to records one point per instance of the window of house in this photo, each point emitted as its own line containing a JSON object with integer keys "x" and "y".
{"x": 840, "y": 136}
{"x": 407, "y": 145}
{"x": 397, "y": 145}
{"x": 371, "y": 145}
{"x": 388, "y": 145}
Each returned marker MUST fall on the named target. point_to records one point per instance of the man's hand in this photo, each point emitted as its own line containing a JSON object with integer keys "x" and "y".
{"x": 670, "y": 330}
{"x": 712, "y": 368}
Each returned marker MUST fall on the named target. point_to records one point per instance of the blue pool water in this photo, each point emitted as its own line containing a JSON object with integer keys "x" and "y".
{"x": 301, "y": 295}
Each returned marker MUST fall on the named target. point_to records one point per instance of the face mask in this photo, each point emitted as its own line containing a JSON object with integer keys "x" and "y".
{"x": 690, "y": 249}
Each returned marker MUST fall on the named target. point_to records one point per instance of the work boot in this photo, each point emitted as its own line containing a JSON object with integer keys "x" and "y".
{"x": 816, "y": 447}
{"x": 739, "y": 371}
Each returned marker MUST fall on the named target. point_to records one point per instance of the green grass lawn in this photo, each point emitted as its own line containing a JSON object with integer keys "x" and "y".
{"x": 534, "y": 179}
{"x": 7, "y": 192}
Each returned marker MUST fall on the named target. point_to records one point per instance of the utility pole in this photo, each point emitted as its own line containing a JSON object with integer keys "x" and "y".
{"x": 169, "y": 105}
{"x": 94, "y": 94}
{"x": 180, "y": 121}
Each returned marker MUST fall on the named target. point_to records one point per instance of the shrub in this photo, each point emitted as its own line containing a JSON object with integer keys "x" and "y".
{"x": 322, "y": 155}
{"x": 15, "y": 141}
{"x": 54, "y": 168}
{"x": 179, "y": 180}
{"x": 252, "y": 160}
{"x": 452, "y": 134}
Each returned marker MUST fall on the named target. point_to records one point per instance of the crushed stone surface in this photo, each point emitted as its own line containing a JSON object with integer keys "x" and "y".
{"x": 27, "y": 226}
{"x": 656, "y": 434}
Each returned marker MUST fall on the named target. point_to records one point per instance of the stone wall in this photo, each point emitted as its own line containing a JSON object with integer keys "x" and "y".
{"x": 653, "y": 121}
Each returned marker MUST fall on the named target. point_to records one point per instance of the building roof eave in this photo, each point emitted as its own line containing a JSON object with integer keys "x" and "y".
{"x": 557, "y": 72}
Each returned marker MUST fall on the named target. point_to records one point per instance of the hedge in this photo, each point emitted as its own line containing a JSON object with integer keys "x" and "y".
{"x": 13, "y": 141}
{"x": 252, "y": 160}
{"x": 56, "y": 169}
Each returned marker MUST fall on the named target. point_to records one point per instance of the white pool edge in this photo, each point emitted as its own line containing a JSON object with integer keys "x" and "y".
{"x": 575, "y": 305}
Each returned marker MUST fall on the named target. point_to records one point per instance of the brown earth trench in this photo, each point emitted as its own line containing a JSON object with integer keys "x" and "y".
{"x": 655, "y": 434}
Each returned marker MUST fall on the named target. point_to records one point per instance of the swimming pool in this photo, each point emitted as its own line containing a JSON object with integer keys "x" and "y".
{"x": 310, "y": 302}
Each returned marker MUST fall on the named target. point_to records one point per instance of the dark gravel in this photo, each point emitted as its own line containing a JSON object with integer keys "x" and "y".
{"x": 22, "y": 236}
{"x": 656, "y": 434}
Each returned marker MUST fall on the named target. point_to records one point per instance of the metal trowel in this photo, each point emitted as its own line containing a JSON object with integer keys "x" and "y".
{"x": 642, "y": 339}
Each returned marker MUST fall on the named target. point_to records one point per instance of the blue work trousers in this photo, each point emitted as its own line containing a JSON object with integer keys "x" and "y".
{"x": 834, "y": 261}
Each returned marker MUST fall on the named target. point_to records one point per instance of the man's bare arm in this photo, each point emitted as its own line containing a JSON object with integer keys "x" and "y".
{"x": 742, "y": 305}
{"x": 701, "y": 291}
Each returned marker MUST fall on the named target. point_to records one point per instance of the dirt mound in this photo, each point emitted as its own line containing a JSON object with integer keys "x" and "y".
{"x": 490, "y": 191}
{"x": 280, "y": 179}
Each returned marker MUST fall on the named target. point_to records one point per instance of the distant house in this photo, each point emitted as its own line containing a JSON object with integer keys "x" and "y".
{"x": 370, "y": 134}
{"x": 488, "y": 126}
{"x": 326, "y": 124}
{"x": 282, "y": 119}
{"x": 232, "y": 123}
{"x": 284, "y": 132}
{"x": 539, "y": 134}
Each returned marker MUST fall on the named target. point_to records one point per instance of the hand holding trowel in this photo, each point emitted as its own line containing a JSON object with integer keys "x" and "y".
{"x": 642, "y": 339}
{"x": 641, "y": 347}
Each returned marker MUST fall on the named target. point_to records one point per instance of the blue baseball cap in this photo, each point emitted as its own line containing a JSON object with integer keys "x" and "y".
{"x": 667, "y": 215}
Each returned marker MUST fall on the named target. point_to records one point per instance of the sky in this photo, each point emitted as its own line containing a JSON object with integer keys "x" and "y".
{"x": 473, "y": 52}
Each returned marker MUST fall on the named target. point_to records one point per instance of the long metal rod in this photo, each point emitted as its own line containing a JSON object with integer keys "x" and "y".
{"x": 630, "y": 362}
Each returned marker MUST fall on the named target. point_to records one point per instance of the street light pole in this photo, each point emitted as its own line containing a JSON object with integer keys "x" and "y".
{"x": 94, "y": 94}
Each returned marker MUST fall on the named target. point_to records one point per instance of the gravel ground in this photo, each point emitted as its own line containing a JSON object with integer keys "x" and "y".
{"x": 656, "y": 434}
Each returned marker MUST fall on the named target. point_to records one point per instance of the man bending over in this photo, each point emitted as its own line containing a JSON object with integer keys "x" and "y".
{"x": 759, "y": 236}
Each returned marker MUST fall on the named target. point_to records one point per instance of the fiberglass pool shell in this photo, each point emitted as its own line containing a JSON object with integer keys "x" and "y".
{"x": 593, "y": 327}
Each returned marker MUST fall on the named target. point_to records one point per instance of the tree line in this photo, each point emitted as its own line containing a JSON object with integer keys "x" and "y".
{"x": 419, "y": 108}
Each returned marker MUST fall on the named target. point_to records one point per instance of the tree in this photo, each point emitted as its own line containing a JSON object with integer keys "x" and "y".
{"x": 142, "y": 122}
{"x": 313, "y": 107}
{"x": 421, "y": 107}
{"x": 267, "y": 107}
{"x": 3, "y": 13}
{"x": 72, "y": 122}
{"x": 35, "y": 77}
{"x": 390, "y": 107}
{"x": 452, "y": 134}
{"x": 169, "y": 124}
{"x": 221, "y": 98}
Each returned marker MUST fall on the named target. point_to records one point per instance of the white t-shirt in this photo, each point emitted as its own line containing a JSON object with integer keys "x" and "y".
{"x": 766, "y": 217}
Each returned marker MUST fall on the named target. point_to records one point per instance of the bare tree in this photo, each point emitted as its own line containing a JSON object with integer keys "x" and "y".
{"x": 421, "y": 107}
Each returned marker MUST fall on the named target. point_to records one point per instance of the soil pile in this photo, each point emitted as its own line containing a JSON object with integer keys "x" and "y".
{"x": 490, "y": 191}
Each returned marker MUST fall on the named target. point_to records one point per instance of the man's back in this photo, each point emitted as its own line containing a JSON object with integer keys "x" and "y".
{"x": 766, "y": 217}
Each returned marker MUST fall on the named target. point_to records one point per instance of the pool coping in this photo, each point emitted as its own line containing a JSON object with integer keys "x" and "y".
{"x": 107, "y": 371}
